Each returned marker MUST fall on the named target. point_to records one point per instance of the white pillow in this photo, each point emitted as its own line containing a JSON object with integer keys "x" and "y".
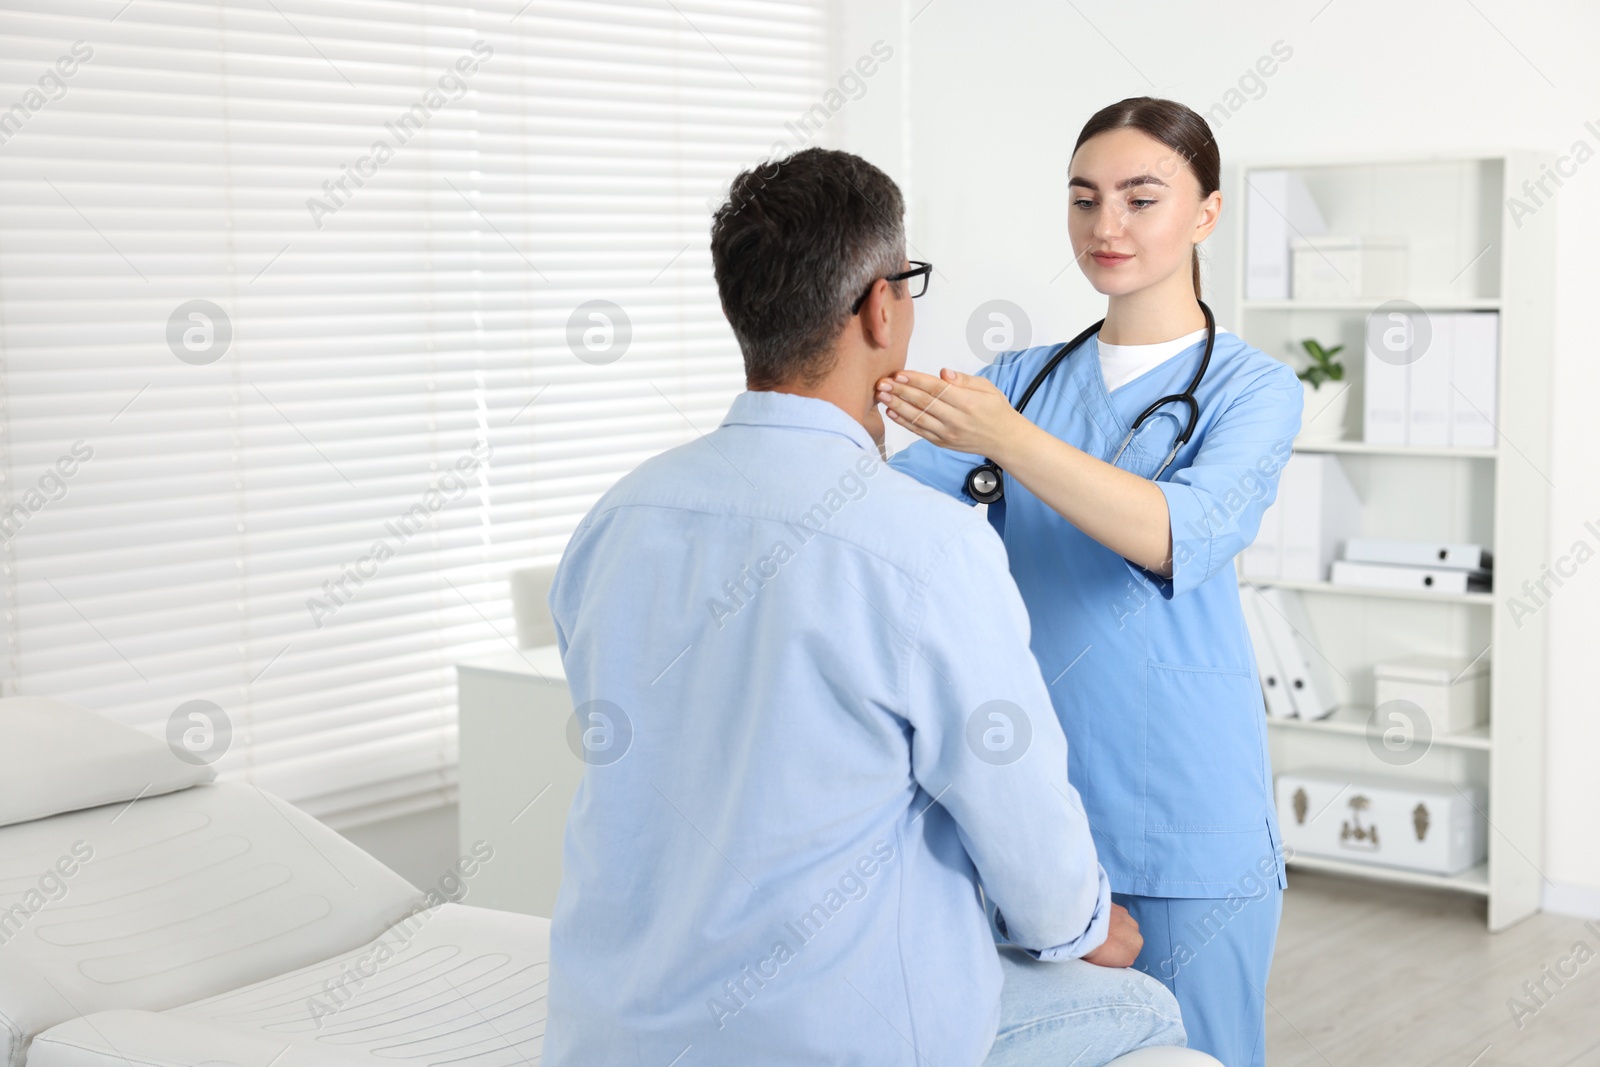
{"x": 57, "y": 757}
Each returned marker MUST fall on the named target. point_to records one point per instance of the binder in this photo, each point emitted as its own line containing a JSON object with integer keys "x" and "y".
{"x": 1277, "y": 207}
{"x": 1387, "y": 396}
{"x": 1416, "y": 579}
{"x": 1307, "y": 672}
{"x": 1473, "y": 375}
{"x": 1458, "y": 557}
{"x": 1274, "y": 687}
{"x": 1318, "y": 510}
{"x": 1444, "y": 398}
{"x": 1261, "y": 558}
{"x": 1429, "y": 395}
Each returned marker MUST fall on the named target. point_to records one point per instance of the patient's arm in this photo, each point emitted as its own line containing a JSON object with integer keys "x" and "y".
{"x": 987, "y": 744}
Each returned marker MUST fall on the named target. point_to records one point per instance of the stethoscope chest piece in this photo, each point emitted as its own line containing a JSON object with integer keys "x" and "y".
{"x": 983, "y": 483}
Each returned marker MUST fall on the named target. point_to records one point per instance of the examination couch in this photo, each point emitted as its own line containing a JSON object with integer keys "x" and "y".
{"x": 152, "y": 916}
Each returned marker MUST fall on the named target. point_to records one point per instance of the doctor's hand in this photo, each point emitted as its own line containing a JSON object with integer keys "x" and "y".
{"x": 958, "y": 411}
{"x": 1123, "y": 941}
{"x": 874, "y": 425}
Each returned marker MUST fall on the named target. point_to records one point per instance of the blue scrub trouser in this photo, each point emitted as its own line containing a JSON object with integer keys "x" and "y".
{"x": 1214, "y": 955}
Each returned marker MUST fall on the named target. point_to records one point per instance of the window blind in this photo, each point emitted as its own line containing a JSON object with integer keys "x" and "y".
{"x": 317, "y": 317}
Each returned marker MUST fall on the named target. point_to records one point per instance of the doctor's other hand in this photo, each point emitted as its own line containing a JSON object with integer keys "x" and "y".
{"x": 1123, "y": 941}
{"x": 958, "y": 411}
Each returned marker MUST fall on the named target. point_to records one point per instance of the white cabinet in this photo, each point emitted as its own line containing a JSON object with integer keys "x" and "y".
{"x": 518, "y": 775}
{"x": 1489, "y": 486}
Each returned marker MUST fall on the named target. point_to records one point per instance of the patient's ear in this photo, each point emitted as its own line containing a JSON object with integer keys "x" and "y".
{"x": 877, "y": 315}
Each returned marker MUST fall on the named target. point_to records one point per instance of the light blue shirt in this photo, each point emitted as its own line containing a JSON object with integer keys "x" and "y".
{"x": 1154, "y": 679}
{"x": 813, "y": 727}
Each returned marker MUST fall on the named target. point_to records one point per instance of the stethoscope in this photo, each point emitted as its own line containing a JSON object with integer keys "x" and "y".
{"x": 984, "y": 483}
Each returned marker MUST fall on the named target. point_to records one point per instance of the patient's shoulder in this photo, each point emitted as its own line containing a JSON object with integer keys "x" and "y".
{"x": 849, "y": 495}
{"x": 920, "y": 524}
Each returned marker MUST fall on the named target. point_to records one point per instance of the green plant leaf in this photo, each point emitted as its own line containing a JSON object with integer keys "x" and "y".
{"x": 1324, "y": 367}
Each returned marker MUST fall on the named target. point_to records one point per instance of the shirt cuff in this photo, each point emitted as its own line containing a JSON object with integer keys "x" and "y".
{"x": 1093, "y": 936}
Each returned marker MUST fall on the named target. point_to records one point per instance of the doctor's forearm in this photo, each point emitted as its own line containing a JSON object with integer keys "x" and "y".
{"x": 1126, "y": 513}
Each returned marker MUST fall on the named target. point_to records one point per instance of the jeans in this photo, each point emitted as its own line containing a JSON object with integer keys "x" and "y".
{"x": 1074, "y": 1013}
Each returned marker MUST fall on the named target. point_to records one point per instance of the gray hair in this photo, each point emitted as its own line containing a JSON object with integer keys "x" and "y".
{"x": 794, "y": 245}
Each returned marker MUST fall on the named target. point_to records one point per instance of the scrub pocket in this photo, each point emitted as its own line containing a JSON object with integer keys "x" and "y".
{"x": 1203, "y": 749}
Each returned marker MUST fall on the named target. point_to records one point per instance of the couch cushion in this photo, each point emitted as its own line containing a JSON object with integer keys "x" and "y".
{"x": 60, "y": 757}
{"x": 174, "y": 898}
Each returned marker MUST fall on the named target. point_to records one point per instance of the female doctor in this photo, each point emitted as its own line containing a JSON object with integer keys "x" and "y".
{"x": 1123, "y": 550}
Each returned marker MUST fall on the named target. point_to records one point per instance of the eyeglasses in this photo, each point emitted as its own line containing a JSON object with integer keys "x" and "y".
{"x": 920, "y": 270}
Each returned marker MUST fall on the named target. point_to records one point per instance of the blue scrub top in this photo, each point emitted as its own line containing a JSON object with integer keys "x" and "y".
{"x": 1154, "y": 679}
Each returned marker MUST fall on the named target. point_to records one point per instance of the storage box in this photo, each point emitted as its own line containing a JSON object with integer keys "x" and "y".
{"x": 1349, "y": 268}
{"x": 1384, "y": 821}
{"x": 1452, "y": 692}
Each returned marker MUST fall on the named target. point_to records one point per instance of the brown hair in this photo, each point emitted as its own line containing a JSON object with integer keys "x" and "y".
{"x": 1175, "y": 126}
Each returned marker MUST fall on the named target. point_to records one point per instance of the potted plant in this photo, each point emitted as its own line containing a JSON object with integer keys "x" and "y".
{"x": 1326, "y": 393}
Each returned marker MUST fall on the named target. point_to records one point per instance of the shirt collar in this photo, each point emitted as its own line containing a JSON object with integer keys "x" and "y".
{"x": 768, "y": 408}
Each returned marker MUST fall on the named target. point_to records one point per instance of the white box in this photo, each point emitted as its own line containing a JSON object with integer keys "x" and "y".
{"x": 1452, "y": 692}
{"x": 1350, "y": 268}
{"x": 1384, "y": 821}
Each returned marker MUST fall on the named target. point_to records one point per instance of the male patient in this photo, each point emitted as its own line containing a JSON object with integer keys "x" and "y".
{"x": 812, "y": 722}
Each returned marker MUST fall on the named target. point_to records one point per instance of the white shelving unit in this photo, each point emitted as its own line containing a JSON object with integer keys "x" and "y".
{"x": 1465, "y": 254}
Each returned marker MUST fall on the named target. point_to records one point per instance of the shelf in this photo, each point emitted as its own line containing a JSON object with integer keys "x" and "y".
{"x": 1486, "y": 599}
{"x": 1463, "y": 255}
{"x": 1351, "y": 720}
{"x": 1362, "y": 448}
{"x": 1446, "y": 304}
{"x": 1474, "y": 881}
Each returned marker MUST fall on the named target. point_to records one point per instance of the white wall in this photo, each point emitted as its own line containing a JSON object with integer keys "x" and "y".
{"x": 989, "y": 97}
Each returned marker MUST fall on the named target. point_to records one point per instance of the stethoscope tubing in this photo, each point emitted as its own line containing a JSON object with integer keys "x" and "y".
{"x": 984, "y": 482}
